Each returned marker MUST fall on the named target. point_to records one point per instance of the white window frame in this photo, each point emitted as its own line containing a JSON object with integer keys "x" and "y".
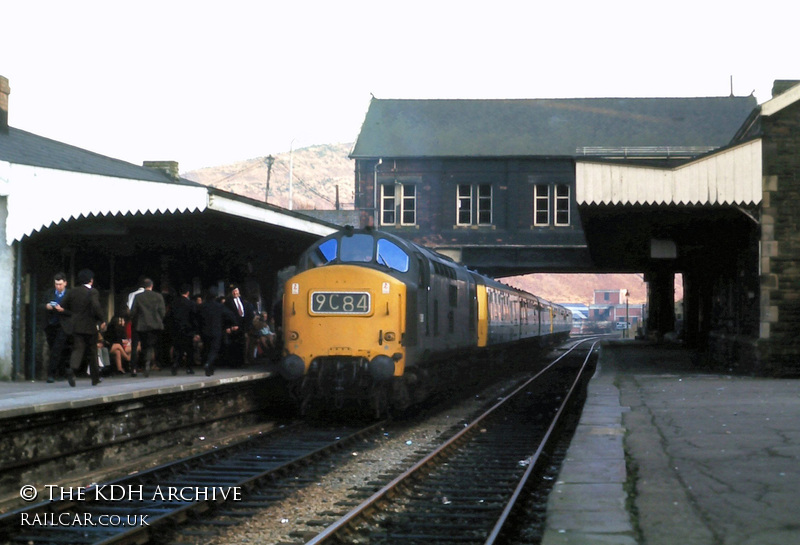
{"x": 460, "y": 200}
{"x": 482, "y": 199}
{"x": 561, "y": 201}
{"x": 399, "y": 204}
{"x": 470, "y": 203}
{"x": 392, "y": 209}
{"x": 541, "y": 203}
{"x": 408, "y": 204}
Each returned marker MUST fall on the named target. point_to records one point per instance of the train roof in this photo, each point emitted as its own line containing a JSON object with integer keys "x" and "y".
{"x": 430, "y": 254}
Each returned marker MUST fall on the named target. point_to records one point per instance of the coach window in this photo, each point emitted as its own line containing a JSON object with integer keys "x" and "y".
{"x": 541, "y": 204}
{"x": 562, "y": 204}
{"x": 391, "y": 255}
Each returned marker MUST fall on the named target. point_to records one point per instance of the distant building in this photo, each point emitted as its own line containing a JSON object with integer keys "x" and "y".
{"x": 613, "y": 307}
{"x": 580, "y": 314}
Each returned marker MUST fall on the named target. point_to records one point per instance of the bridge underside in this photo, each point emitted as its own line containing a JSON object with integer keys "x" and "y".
{"x": 714, "y": 248}
{"x": 681, "y": 238}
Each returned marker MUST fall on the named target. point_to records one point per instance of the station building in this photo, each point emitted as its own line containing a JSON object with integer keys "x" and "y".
{"x": 63, "y": 209}
{"x": 706, "y": 187}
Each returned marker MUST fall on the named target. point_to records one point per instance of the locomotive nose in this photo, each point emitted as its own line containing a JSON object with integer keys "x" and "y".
{"x": 293, "y": 367}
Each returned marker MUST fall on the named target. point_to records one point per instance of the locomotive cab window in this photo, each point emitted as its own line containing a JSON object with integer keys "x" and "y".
{"x": 392, "y": 256}
{"x": 323, "y": 254}
{"x": 356, "y": 248}
{"x": 326, "y": 251}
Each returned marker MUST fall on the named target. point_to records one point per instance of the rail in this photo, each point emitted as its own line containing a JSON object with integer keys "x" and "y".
{"x": 370, "y": 504}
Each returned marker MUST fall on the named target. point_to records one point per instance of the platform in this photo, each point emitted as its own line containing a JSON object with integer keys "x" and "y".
{"x": 54, "y": 433}
{"x": 21, "y": 398}
{"x": 666, "y": 453}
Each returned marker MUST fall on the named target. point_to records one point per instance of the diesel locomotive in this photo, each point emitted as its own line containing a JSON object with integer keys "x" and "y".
{"x": 371, "y": 317}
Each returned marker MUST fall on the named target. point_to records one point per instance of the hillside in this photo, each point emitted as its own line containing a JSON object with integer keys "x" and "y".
{"x": 316, "y": 173}
{"x": 579, "y": 288}
{"x": 318, "y": 170}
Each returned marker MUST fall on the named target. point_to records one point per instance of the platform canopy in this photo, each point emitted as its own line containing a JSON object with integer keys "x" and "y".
{"x": 41, "y": 197}
{"x": 730, "y": 176}
{"x": 46, "y": 182}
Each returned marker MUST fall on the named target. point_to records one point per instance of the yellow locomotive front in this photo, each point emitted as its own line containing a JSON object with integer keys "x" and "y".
{"x": 343, "y": 327}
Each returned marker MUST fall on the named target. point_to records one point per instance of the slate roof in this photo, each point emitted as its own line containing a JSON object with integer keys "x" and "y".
{"x": 24, "y": 148}
{"x": 544, "y": 127}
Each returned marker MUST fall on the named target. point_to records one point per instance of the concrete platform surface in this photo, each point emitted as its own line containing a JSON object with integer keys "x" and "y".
{"x": 19, "y": 398}
{"x": 666, "y": 453}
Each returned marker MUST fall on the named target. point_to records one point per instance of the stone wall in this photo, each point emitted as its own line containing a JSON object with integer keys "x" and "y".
{"x": 68, "y": 443}
{"x": 779, "y": 345}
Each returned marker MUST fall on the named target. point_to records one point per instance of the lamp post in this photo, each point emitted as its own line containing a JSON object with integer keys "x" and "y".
{"x": 270, "y": 162}
{"x": 291, "y": 165}
{"x": 627, "y": 323}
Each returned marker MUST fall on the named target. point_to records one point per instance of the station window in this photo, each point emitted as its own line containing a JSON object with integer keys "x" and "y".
{"x": 464, "y": 205}
{"x": 469, "y": 207}
{"x": 398, "y": 200}
{"x": 484, "y": 204}
{"x": 541, "y": 204}
{"x": 562, "y": 204}
{"x": 408, "y": 207}
{"x": 387, "y": 204}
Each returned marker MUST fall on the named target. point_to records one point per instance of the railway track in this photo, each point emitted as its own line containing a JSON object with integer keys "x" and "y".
{"x": 269, "y": 469}
{"x": 466, "y": 490}
{"x": 141, "y": 507}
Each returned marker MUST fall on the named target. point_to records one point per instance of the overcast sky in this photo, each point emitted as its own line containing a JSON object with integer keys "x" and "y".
{"x": 209, "y": 83}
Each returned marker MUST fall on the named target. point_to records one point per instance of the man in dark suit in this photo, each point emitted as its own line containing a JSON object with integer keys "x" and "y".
{"x": 53, "y": 329}
{"x": 243, "y": 313}
{"x": 148, "y": 318}
{"x": 185, "y": 332}
{"x": 86, "y": 318}
{"x": 215, "y": 320}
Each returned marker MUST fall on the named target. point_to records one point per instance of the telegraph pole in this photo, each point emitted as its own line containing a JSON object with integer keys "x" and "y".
{"x": 270, "y": 161}
{"x": 291, "y": 163}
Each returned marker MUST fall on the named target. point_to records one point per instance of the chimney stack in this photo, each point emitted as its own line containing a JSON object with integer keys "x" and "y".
{"x": 5, "y": 90}
{"x": 169, "y": 167}
{"x": 780, "y": 86}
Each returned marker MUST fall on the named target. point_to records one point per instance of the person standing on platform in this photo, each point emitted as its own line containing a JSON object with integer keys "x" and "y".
{"x": 86, "y": 318}
{"x": 134, "y": 334}
{"x": 243, "y": 313}
{"x": 215, "y": 320}
{"x": 184, "y": 332}
{"x": 148, "y": 319}
{"x": 54, "y": 329}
